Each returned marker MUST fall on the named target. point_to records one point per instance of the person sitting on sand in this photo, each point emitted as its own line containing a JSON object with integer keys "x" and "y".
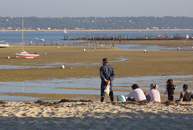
{"x": 147, "y": 93}
{"x": 170, "y": 87}
{"x": 137, "y": 93}
{"x": 153, "y": 93}
{"x": 185, "y": 95}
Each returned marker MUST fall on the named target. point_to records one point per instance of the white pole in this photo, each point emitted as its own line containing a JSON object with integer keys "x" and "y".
{"x": 22, "y": 36}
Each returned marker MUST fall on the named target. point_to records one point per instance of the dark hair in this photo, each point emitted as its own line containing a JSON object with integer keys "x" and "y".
{"x": 134, "y": 86}
{"x": 105, "y": 60}
{"x": 185, "y": 86}
{"x": 155, "y": 86}
{"x": 152, "y": 85}
{"x": 170, "y": 81}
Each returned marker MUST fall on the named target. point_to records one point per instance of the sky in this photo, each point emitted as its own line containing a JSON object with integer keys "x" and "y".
{"x": 95, "y": 8}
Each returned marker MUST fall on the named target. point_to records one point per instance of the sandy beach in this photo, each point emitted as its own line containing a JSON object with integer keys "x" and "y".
{"x": 95, "y": 116}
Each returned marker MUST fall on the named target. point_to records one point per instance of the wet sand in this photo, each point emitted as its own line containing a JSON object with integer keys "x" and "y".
{"x": 57, "y": 97}
{"x": 133, "y": 63}
{"x": 138, "y": 63}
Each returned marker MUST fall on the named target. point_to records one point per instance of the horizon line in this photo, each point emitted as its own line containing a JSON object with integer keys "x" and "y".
{"x": 91, "y": 16}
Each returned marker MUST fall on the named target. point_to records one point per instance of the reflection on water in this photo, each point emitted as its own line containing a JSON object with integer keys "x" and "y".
{"x": 150, "y": 47}
{"x": 119, "y": 59}
{"x": 17, "y": 98}
{"x": 48, "y": 65}
{"x": 56, "y": 64}
{"x": 52, "y": 85}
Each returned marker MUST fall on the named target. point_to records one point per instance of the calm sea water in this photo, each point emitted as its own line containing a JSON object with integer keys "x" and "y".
{"x": 57, "y": 36}
{"x": 56, "y": 86}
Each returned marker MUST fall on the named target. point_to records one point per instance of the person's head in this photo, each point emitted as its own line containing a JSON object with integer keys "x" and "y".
{"x": 185, "y": 87}
{"x": 169, "y": 82}
{"x": 155, "y": 86}
{"x": 105, "y": 61}
{"x": 151, "y": 86}
{"x": 134, "y": 86}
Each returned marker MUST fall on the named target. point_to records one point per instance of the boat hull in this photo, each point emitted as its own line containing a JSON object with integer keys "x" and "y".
{"x": 4, "y": 45}
{"x": 26, "y": 55}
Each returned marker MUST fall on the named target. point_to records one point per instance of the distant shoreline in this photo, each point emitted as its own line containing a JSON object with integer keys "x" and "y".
{"x": 60, "y": 30}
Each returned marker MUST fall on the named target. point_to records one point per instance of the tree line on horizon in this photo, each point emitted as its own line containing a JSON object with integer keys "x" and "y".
{"x": 82, "y": 23}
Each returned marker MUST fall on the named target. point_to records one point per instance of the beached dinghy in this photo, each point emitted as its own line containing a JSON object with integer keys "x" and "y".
{"x": 4, "y": 45}
{"x": 24, "y": 54}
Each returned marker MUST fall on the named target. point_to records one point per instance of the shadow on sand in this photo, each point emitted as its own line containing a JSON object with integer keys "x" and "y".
{"x": 97, "y": 120}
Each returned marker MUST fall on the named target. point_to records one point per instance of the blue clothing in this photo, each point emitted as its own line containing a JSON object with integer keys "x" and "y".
{"x": 106, "y": 72}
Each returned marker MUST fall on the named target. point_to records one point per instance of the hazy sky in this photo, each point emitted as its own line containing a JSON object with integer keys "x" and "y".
{"x": 96, "y": 8}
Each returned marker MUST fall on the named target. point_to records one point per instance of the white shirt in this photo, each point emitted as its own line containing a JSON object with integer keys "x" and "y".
{"x": 138, "y": 94}
{"x": 154, "y": 94}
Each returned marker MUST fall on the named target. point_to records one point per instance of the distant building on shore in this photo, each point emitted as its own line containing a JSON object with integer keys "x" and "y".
{"x": 155, "y": 28}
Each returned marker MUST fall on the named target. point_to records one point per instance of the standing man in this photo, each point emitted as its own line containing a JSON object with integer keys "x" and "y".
{"x": 107, "y": 76}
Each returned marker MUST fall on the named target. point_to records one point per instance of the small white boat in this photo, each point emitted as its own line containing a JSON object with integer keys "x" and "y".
{"x": 65, "y": 31}
{"x": 26, "y": 55}
{"x": 4, "y": 45}
{"x": 2, "y": 41}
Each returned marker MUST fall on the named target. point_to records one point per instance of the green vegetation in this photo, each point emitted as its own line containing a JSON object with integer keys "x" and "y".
{"x": 98, "y": 23}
